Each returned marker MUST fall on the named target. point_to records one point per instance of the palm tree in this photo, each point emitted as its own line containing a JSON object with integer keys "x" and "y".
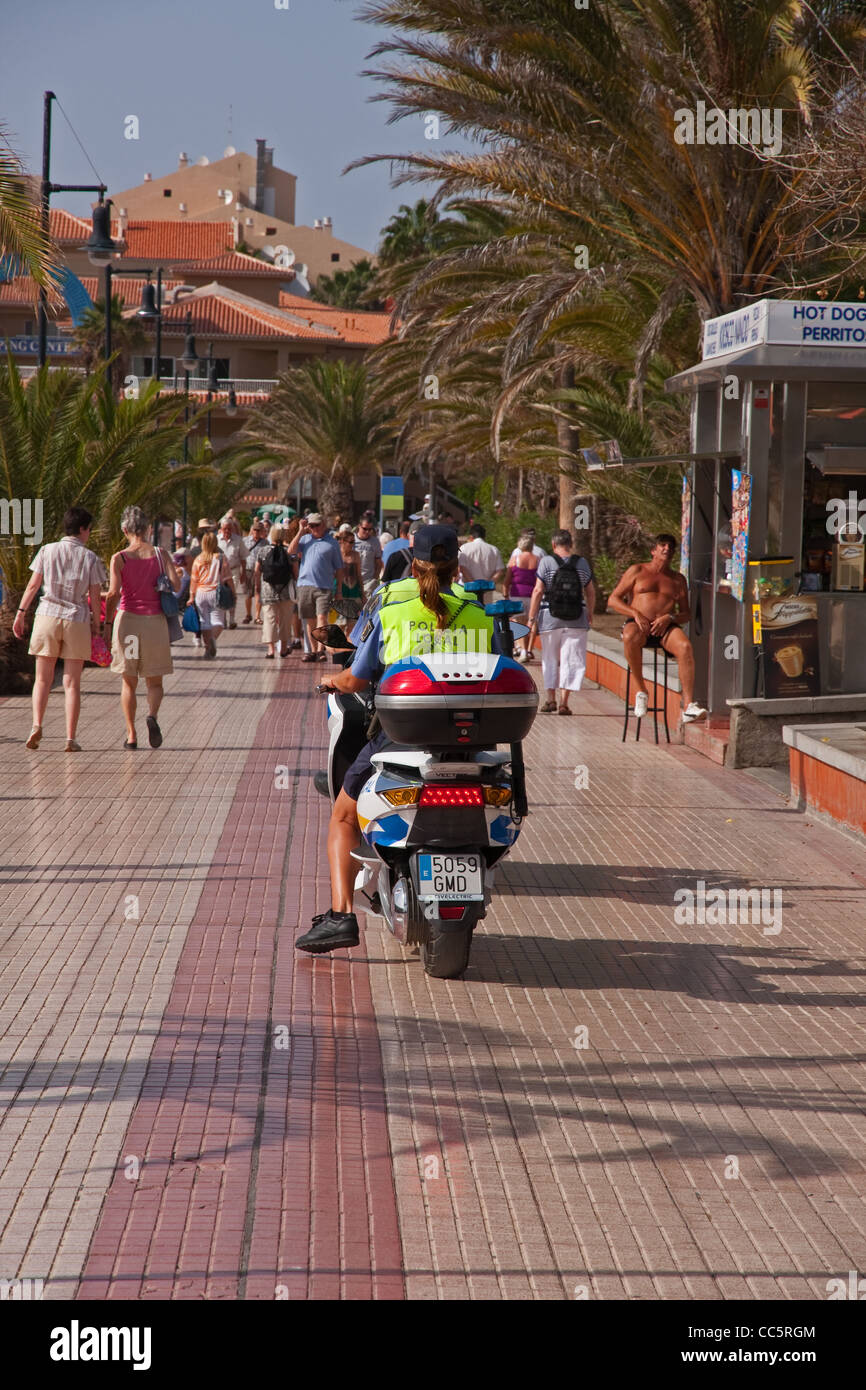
{"x": 411, "y": 232}
{"x": 348, "y": 289}
{"x": 21, "y": 234}
{"x": 127, "y": 337}
{"x": 578, "y": 112}
{"x": 321, "y": 418}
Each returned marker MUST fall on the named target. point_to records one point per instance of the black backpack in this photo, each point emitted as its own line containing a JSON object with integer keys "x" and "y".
{"x": 277, "y": 567}
{"x": 565, "y": 595}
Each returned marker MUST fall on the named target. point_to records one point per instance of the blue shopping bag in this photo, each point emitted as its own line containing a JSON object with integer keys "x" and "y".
{"x": 191, "y": 620}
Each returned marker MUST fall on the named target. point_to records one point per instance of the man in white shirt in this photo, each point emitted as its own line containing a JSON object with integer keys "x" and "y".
{"x": 233, "y": 548}
{"x": 478, "y": 559}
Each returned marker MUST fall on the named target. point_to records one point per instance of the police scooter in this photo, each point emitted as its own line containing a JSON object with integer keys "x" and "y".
{"x": 444, "y": 804}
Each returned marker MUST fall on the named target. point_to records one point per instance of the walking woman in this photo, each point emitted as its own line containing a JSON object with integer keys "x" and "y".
{"x": 68, "y": 574}
{"x": 141, "y": 642}
{"x": 274, "y": 578}
{"x": 520, "y": 582}
{"x": 210, "y": 569}
{"x": 350, "y": 590}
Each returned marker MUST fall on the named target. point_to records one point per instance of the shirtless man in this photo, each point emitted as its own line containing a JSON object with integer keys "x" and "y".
{"x": 655, "y": 601}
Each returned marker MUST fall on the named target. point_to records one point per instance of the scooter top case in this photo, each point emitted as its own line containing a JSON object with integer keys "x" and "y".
{"x": 442, "y": 700}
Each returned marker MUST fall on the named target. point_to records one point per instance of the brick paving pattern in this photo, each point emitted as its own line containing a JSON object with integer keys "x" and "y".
{"x": 609, "y": 1105}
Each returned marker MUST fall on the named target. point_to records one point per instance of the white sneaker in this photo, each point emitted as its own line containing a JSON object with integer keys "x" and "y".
{"x": 693, "y": 712}
{"x": 641, "y": 703}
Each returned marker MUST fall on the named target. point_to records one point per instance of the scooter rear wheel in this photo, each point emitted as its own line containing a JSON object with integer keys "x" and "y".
{"x": 445, "y": 954}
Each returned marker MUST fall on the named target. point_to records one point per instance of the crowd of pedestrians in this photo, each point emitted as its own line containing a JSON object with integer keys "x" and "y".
{"x": 293, "y": 577}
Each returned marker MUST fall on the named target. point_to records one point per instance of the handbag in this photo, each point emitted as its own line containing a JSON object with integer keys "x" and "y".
{"x": 224, "y": 596}
{"x": 99, "y": 652}
{"x": 170, "y": 605}
{"x": 191, "y": 621}
{"x": 165, "y": 589}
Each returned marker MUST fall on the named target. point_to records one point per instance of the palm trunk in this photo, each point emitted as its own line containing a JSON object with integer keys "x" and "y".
{"x": 567, "y": 441}
{"x": 16, "y": 665}
{"x": 336, "y": 497}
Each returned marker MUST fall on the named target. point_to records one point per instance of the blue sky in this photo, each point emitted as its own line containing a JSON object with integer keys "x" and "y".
{"x": 290, "y": 76}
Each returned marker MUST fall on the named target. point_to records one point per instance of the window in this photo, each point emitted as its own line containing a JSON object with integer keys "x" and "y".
{"x": 262, "y": 480}
{"x": 335, "y": 255}
{"x": 143, "y": 366}
{"x": 166, "y": 193}
{"x": 270, "y": 231}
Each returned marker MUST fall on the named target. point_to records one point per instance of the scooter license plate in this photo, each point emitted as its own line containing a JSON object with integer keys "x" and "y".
{"x": 450, "y": 878}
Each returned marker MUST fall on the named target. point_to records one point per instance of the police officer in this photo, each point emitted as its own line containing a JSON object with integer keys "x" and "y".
{"x": 406, "y": 625}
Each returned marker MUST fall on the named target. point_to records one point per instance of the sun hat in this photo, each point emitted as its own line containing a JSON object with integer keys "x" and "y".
{"x": 204, "y": 524}
{"x": 315, "y": 518}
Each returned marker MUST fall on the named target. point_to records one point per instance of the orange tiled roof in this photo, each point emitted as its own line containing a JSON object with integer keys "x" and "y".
{"x": 235, "y": 263}
{"x": 24, "y": 292}
{"x": 64, "y": 226}
{"x": 175, "y": 241}
{"x": 225, "y": 314}
{"x": 127, "y": 287}
{"x": 353, "y": 325}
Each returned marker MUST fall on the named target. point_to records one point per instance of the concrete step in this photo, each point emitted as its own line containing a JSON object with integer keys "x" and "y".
{"x": 709, "y": 737}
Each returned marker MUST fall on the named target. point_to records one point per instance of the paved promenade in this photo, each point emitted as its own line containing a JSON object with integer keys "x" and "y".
{"x": 612, "y": 1104}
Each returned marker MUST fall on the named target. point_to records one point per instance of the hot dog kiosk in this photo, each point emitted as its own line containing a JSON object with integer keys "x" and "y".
{"x": 774, "y": 519}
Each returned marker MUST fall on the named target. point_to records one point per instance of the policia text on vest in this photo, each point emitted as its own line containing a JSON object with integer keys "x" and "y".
{"x": 410, "y": 630}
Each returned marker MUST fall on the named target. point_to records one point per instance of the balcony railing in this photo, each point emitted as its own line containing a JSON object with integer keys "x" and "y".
{"x": 243, "y": 385}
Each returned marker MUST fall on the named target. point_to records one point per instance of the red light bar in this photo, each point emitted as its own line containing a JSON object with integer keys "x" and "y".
{"x": 451, "y": 913}
{"x": 451, "y": 795}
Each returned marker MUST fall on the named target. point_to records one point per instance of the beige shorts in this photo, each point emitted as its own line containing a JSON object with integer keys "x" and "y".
{"x": 313, "y": 602}
{"x": 140, "y": 646}
{"x": 58, "y": 637}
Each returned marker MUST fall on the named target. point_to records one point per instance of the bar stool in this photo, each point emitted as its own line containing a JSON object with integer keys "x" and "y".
{"x": 656, "y": 708}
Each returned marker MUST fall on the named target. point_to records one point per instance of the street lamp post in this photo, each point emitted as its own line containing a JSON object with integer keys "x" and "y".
{"x": 189, "y": 362}
{"x": 98, "y": 245}
{"x": 151, "y": 307}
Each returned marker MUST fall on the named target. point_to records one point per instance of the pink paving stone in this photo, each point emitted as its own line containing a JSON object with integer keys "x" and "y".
{"x": 558, "y": 1167}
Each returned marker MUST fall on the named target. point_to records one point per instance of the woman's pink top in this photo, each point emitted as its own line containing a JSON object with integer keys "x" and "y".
{"x": 522, "y": 581}
{"x": 138, "y": 591}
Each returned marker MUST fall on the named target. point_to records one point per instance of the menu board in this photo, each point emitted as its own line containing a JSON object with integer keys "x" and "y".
{"x": 789, "y": 628}
{"x": 741, "y": 500}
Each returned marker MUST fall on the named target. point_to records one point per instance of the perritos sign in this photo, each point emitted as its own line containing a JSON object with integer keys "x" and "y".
{"x": 787, "y": 323}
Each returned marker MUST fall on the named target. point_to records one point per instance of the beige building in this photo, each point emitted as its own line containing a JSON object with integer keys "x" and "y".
{"x": 256, "y": 202}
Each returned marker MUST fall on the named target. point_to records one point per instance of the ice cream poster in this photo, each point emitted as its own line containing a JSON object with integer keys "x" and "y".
{"x": 686, "y": 526}
{"x": 790, "y": 646}
{"x": 741, "y": 499}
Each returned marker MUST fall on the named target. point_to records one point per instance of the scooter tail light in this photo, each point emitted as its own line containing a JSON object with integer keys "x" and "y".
{"x": 512, "y": 680}
{"x": 413, "y": 681}
{"x": 451, "y": 795}
{"x": 403, "y": 796}
{"x": 452, "y": 913}
{"x": 497, "y": 796}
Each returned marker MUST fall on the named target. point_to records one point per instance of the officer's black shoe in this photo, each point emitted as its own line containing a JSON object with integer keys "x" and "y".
{"x": 320, "y": 782}
{"x": 329, "y": 931}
